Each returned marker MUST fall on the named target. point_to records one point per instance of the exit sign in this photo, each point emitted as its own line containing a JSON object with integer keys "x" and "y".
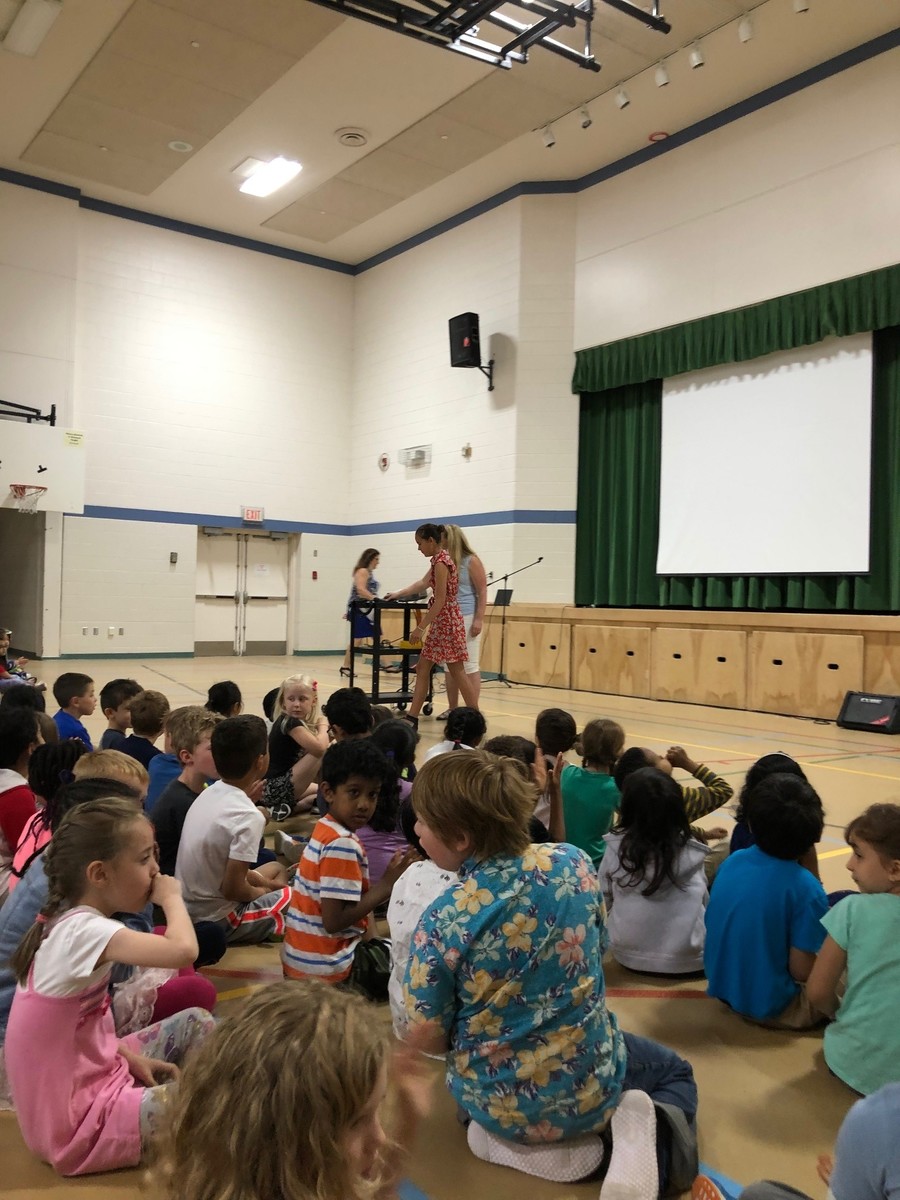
{"x": 253, "y": 516}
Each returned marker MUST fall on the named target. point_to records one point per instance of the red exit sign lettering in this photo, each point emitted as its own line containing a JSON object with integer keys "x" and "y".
{"x": 253, "y": 516}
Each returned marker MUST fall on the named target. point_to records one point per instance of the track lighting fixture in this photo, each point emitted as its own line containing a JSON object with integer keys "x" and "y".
{"x": 801, "y": 6}
{"x": 661, "y": 75}
{"x": 547, "y": 135}
{"x": 586, "y": 119}
{"x": 622, "y": 99}
{"x": 745, "y": 28}
{"x": 695, "y": 58}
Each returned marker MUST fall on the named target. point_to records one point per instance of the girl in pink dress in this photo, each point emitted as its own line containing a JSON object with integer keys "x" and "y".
{"x": 445, "y": 640}
{"x": 86, "y": 1100}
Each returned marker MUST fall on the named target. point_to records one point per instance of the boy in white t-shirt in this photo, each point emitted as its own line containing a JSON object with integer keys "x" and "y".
{"x": 220, "y": 842}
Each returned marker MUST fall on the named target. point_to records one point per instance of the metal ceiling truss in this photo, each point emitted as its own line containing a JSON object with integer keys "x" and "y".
{"x": 455, "y": 24}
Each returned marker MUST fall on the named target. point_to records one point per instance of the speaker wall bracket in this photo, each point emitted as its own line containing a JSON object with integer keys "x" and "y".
{"x": 488, "y": 372}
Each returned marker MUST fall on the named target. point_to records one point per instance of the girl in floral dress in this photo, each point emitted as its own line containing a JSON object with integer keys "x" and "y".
{"x": 445, "y": 639}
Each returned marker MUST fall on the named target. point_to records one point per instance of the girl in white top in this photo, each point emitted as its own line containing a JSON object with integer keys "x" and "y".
{"x": 464, "y": 731}
{"x": 653, "y": 880}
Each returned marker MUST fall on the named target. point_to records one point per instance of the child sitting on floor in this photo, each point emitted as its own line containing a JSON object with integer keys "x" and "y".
{"x": 329, "y": 935}
{"x": 589, "y": 793}
{"x": 505, "y": 974}
{"x": 769, "y": 764}
{"x": 555, "y": 732}
{"x": 315, "y": 1069}
{"x": 220, "y": 842}
{"x": 49, "y": 769}
{"x": 464, "y": 730}
{"x": 862, "y": 1044}
{"x": 763, "y": 922}
{"x": 383, "y": 836}
{"x": 653, "y": 880}
{"x": 148, "y": 718}
{"x": 189, "y": 732}
{"x": 72, "y": 1079}
{"x": 74, "y": 693}
{"x": 297, "y": 740}
{"x": 225, "y": 698}
{"x": 115, "y": 704}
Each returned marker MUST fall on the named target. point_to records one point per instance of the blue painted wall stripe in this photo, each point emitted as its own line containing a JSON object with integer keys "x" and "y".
{"x": 512, "y": 516}
{"x": 554, "y": 187}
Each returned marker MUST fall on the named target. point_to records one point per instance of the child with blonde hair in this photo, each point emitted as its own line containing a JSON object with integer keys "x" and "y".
{"x": 297, "y": 740}
{"x": 505, "y": 975}
{"x": 862, "y": 1044}
{"x": 112, "y": 764}
{"x": 315, "y": 1070}
{"x": 72, "y": 1079}
{"x": 590, "y": 796}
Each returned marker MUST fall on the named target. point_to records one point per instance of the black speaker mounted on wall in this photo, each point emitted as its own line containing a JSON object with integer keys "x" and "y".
{"x": 465, "y": 345}
{"x": 869, "y": 711}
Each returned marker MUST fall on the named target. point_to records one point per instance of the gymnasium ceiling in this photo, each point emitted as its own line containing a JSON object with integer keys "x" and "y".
{"x": 116, "y": 81}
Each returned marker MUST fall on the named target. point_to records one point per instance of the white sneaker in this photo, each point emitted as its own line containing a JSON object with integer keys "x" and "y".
{"x": 289, "y": 847}
{"x": 561, "y": 1162}
{"x": 633, "y": 1173}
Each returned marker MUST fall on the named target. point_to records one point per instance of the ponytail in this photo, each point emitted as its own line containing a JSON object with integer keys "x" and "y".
{"x": 94, "y": 830}
{"x": 465, "y": 726}
{"x": 431, "y": 532}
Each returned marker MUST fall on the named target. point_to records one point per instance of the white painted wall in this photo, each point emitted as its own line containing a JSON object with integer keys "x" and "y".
{"x": 117, "y": 573}
{"x": 797, "y": 194}
{"x": 38, "y": 264}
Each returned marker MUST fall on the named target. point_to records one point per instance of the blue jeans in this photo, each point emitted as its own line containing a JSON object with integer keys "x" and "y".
{"x": 669, "y": 1082}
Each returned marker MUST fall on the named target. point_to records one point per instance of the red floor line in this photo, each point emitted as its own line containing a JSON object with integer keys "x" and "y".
{"x": 618, "y": 993}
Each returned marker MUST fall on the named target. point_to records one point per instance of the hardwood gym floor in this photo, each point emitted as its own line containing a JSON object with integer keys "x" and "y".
{"x": 768, "y": 1105}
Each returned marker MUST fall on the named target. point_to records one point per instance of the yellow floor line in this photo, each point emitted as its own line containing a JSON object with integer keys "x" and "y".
{"x": 238, "y": 993}
{"x": 835, "y": 853}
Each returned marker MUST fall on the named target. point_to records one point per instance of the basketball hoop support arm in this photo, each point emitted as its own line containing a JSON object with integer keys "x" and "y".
{"x": 9, "y": 409}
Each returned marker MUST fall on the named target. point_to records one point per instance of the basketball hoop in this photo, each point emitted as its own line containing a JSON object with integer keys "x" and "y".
{"x": 26, "y": 496}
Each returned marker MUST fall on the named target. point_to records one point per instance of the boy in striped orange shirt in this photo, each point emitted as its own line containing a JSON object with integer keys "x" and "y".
{"x": 328, "y": 919}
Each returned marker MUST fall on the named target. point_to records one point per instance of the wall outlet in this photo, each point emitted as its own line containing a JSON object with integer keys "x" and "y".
{"x": 121, "y": 631}
{"x": 111, "y": 631}
{"x": 96, "y": 631}
{"x": 84, "y": 631}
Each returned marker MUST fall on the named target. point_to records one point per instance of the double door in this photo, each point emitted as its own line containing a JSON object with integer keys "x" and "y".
{"x": 243, "y": 592}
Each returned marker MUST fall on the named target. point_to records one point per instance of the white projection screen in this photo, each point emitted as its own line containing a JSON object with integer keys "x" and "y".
{"x": 766, "y": 464}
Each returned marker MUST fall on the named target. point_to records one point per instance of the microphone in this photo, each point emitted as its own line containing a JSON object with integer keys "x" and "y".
{"x": 541, "y": 559}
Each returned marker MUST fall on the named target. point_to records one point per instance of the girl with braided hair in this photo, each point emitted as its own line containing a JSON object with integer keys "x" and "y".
{"x": 72, "y": 1080}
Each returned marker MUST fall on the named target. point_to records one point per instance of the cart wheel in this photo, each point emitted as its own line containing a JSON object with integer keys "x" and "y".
{"x": 401, "y": 706}
{"x": 427, "y": 710}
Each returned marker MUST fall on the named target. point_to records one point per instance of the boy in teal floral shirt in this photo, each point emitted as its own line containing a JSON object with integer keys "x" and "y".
{"x": 505, "y": 973}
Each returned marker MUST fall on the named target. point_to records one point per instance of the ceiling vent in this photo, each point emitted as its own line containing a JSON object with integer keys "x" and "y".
{"x": 354, "y": 139}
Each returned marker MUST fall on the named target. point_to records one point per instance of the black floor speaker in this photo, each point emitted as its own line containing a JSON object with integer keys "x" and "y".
{"x": 465, "y": 343}
{"x": 867, "y": 710}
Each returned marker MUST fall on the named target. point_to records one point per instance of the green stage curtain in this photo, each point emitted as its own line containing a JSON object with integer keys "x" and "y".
{"x": 618, "y": 512}
{"x": 848, "y": 306}
{"x": 617, "y": 528}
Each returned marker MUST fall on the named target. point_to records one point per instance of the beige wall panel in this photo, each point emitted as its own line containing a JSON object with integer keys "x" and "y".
{"x": 703, "y": 666}
{"x": 804, "y": 674}
{"x": 882, "y": 664}
{"x": 538, "y": 653}
{"x": 611, "y": 658}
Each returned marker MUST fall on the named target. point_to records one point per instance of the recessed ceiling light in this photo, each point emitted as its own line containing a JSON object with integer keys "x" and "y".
{"x": 268, "y": 177}
{"x": 181, "y": 147}
{"x": 31, "y": 25}
{"x": 104, "y": 148}
{"x": 195, "y": 45}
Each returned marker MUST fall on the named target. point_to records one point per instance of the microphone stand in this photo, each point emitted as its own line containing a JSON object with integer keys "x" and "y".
{"x": 502, "y": 677}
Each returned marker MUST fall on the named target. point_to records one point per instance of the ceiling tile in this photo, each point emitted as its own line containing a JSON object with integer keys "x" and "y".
{"x": 503, "y": 105}
{"x": 289, "y": 25}
{"x": 305, "y": 222}
{"x": 151, "y": 91}
{"x": 91, "y": 163}
{"x": 444, "y": 143}
{"x": 85, "y": 120}
{"x": 393, "y": 173}
{"x": 151, "y": 33}
{"x": 346, "y": 199}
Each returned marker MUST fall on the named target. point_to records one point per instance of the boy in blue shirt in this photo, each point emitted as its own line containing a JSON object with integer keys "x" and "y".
{"x": 763, "y": 922}
{"x": 74, "y": 693}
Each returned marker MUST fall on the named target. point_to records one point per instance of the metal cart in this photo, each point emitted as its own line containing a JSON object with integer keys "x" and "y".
{"x": 379, "y": 650}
